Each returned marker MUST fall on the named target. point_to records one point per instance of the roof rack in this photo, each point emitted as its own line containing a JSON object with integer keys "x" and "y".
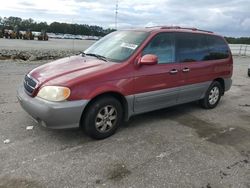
{"x": 195, "y": 29}
{"x": 178, "y": 27}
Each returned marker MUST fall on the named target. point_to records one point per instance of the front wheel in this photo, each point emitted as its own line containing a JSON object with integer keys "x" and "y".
{"x": 212, "y": 96}
{"x": 103, "y": 117}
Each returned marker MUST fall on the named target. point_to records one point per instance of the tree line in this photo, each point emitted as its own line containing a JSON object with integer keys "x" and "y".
{"x": 241, "y": 40}
{"x": 16, "y": 23}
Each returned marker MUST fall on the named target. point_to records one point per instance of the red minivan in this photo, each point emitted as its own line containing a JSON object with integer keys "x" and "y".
{"x": 127, "y": 73}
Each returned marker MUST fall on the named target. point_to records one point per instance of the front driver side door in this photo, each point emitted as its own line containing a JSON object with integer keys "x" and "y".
{"x": 156, "y": 86}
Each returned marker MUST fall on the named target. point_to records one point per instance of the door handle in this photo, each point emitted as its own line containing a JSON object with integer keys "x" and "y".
{"x": 173, "y": 71}
{"x": 185, "y": 70}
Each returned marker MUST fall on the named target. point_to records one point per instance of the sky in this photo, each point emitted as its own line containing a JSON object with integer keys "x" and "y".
{"x": 226, "y": 17}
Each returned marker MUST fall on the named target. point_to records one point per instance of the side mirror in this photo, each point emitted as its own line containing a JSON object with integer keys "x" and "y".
{"x": 148, "y": 59}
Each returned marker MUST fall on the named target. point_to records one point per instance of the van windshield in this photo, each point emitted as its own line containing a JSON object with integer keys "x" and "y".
{"x": 117, "y": 46}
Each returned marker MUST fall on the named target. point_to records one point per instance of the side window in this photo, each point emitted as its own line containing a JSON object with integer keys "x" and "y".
{"x": 218, "y": 49}
{"x": 162, "y": 45}
{"x": 191, "y": 47}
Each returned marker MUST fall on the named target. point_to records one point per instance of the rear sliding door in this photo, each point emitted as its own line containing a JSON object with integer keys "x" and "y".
{"x": 196, "y": 70}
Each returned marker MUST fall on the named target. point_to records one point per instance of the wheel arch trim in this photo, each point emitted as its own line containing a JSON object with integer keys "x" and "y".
{"x": 126, "y": 102}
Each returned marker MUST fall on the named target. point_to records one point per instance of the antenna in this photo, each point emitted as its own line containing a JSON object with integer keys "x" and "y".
{"x": 116, "y": 14}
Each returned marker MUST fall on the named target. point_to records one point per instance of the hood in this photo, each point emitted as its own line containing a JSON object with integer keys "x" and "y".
{"x": 68, "y": 66}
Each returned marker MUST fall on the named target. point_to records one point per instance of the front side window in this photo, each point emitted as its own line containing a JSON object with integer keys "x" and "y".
{"x": 118, "y": 46}
{"x": 191, "y": 47}
{"x": 162, "y": 45}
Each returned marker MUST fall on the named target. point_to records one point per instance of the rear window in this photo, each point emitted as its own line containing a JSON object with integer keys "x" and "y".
{"x": 191, "y": 47}
{"x": 218, "y": 49}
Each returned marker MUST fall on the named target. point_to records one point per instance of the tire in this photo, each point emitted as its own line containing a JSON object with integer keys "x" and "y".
{"x": 212, "y": 96}
{"x": 249, "y": 72}
{"x": 102, "y": 117}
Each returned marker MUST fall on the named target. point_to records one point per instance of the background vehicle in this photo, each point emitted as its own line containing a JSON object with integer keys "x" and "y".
{"x": 249, "y": 70}
{"x": 43, "y": 36}
{"x": 127, "y": 73}
{"x": 28, "y": 35}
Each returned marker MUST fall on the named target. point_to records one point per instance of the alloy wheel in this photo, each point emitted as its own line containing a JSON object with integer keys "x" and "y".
{"x": 106, "y": 119}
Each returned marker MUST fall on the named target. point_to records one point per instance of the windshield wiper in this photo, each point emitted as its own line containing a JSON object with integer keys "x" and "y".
{"x": 97, "y": 56}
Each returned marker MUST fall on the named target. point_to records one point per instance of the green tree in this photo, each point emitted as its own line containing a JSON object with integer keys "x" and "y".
{"x": 55, "y": 27}
{"x": 241, "y": 40}
{"x": 12, "y": 21}
{"x": 27, "y": 24}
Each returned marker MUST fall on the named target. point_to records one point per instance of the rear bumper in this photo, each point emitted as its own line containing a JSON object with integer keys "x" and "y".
{"x": 228, "y": 83}
{"x": 56, "y": 115}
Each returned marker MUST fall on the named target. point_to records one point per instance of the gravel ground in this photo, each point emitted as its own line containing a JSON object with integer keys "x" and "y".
{"x": 183, "y": 146}
{"x": 33, "y": 50}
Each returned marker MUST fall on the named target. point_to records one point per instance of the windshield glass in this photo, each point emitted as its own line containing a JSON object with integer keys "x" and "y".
{"x": 117, "y": 46}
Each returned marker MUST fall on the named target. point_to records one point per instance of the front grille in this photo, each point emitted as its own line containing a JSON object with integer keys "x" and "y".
{"x": 29, "y": 84}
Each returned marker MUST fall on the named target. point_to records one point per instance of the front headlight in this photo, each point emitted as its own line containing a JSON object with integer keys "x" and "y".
{"x": 54, "y": 93}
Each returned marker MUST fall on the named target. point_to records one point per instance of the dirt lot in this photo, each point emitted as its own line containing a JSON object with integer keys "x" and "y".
{"x": 51, "y": 44}
{"x": 183, "y": 146}
{"x": 34, "y": 50}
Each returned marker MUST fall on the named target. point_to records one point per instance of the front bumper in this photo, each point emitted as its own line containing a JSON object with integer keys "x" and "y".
{"x": 56, "y": 115}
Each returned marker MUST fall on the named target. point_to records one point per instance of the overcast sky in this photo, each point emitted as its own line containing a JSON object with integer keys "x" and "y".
{"x": 227, "y": 17}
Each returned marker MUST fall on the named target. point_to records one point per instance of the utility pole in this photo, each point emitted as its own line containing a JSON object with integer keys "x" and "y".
{"x": 116, "y": 14}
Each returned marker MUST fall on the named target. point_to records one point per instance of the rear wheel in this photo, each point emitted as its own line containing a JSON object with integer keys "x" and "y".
{"x": 103, "y": 117}
{"x": 249, "y": 72}
{"x": 212, "y": 96}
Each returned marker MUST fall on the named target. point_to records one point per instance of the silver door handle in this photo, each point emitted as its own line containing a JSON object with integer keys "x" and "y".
{"x": 174, "y": 71}
{"x": 186, "y": 70}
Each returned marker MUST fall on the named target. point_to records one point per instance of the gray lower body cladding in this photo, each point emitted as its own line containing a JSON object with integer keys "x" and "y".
{"x": 228, "y": 83}
{"x": 154, "y": 100}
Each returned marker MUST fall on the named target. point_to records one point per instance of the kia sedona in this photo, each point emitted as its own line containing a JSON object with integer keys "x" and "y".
{"x": 126, "y": 73}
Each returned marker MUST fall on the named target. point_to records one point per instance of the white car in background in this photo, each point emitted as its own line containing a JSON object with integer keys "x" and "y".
{"x": 249, "y": 70}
